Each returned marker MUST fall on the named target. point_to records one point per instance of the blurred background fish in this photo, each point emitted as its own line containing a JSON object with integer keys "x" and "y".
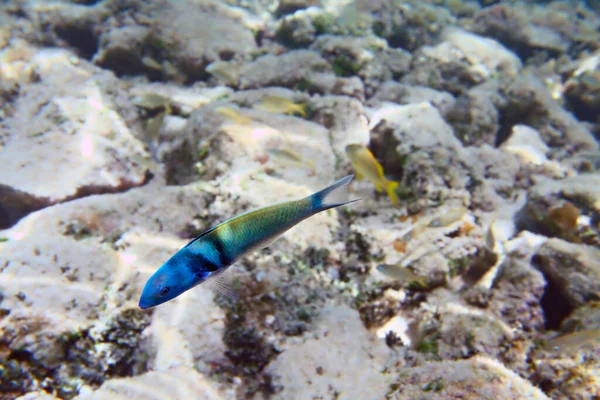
{"x": 290, "y": 157}
{"x": 401, "y": 273}
{"x": 366, "y": 166}
{"x": 280, "y": 105}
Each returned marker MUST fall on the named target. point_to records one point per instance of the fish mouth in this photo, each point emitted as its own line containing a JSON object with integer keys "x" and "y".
{"x": 144, "y": 305}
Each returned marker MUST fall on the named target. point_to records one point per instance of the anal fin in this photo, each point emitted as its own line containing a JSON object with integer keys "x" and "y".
{"x": 270, "y": 242}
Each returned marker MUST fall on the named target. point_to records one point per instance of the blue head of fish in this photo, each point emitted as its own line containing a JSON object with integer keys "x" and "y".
{"x": 174, "y": 277}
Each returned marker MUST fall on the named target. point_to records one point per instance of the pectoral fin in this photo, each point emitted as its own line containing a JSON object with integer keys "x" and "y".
{"x": 223, "y": 283}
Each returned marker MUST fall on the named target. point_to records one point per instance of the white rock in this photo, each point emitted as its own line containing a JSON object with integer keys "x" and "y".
{"x": 527, "y": 144}
{"x": 175, "y": 332}
{"x": 399, "y": 326}
{"x": 249, "y": 152}
{"x": 187, "y": 98}
{"x": 402, "y": 93}
{"x": 344, "y": 358}
{"x": 586, "y": 187}
{"x": 589, "y": 63}
{"x": 348, "y": 122}
{"x": 525, "y": 244}
{"x": 478, "y": 377}
{"x": 14, "y": 61}
{"x": 66, "y": 137}
{"x": 61, "y": 279}
{"x": 36, "y": 396}
{"x": 73, "y": 281}
{"x": 284, "y": 70}
{"x": 177, "y": 383}
{"x": 418, "y": 125}
{"x": 484, "y": 54}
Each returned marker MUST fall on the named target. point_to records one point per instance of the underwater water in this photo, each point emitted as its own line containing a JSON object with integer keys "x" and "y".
{"x": 469, "y": 268}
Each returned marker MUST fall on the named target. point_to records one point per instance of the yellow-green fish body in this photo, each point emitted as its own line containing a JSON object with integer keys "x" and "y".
{"x": 414, "y": 232}
{"x": 280, "y": 105}
{"x": 211, "y": 253}
{"x": 157, "y": 108}
{"x": 233, "y": 115}
{"x": 365, "y": 165}
{"x": 401, "y": 273}
{"x": 291, "y": 157}
{"x": 153, "y": 126}
{"x": 151, "y": 63}
{"x": 153, "y": 101}
{"x": 447, "y": 218}
{"x": 573, "y": 340}
{"x": 228, "y": 71}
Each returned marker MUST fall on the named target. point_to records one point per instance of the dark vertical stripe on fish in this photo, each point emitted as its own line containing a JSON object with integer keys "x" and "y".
{"x": 206, "y": 264}
{"x": 217, "y": 244}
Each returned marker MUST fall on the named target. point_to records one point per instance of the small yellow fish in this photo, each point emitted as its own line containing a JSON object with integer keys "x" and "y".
{"x": 291, "y": 157}
{"x": 367, "y": 166}
{"x": 171, "y": 73}
{"x": 153, "y": 126}
{"x": 156, "y": 107}
{"x": 573, "y": 340}
{"x": 447, "y": 218}
{"x": 151, "y": 63}
{"x": 401, "y": 273}
{"x": 280, "y": 105}
{"x": 227, "y": 71}
{"x": 153, "y": 102}
{"x": 233, "y": 115}
{"x": 414, "y": 232}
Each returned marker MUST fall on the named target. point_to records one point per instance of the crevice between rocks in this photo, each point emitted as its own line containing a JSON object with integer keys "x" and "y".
{"x": 16, "y": 204}
{"x": 553, "y": 302}
{"x": 80, "y": 37}
{"x": 554, "y": 305}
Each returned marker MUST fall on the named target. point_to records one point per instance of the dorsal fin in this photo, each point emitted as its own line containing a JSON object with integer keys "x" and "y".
{"x": 200, "y": 235}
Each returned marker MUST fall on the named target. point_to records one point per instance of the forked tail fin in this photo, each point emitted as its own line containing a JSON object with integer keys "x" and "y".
{"x": 390, "y": 188}
{"x": 318, "y": 199}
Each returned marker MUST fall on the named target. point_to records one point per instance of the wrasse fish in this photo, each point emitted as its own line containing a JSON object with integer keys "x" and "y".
{"x": 153, "y": 101}
{"x": 365, "y": 165}
{"x": 227, "y": 71}
{"x": 157, "y": 107}
{"x": 280, "y": 105}
{"x": 573, "y": 340}
{"x": 401, "y": 273}
{"x": 447, "y": 218}
{"x": 210, "y": 254}
{"x": 291, "y": 157}
{"x": 233, "y": 115}
{"x": 401, "y": 243}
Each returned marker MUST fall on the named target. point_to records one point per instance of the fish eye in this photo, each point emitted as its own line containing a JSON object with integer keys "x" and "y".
{"x": 202, "y": 275}
{"x": 164, "y": 291}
